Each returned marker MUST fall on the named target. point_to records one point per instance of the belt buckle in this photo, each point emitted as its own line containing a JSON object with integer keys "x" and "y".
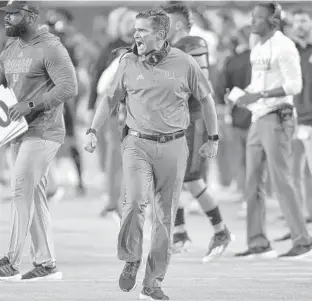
{"x": 162, "y": 139}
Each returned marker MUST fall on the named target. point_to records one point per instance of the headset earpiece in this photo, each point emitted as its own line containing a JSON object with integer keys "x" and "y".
{"x": 277, "y": 12}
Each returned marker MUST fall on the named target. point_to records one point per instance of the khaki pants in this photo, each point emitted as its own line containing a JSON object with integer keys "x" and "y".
{"x": 113, "y": 162}
{"x": 30, "y": 210}
{"x": 270, "y": 140}
{"x": 147, "y": 163}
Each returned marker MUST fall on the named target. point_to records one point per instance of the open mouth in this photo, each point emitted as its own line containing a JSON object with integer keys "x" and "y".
{"x": 139, "y": 44}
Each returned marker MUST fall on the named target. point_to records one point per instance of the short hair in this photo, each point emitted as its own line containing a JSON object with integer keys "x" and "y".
{"x": 178, "y": 7}
{"x": 302, "y": 11}
{"x": 160, "y": 20}
{"x": 273, "y": 8}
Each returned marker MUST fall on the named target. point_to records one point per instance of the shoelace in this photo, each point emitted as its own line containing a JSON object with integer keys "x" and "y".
{"x": 131, "y": 269}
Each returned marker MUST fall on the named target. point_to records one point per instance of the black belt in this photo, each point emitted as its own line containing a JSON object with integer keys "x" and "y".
{"x": 158, "y": 138}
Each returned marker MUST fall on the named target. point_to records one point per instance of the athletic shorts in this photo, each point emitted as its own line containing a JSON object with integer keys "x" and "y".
{"x": 196, "y": 136}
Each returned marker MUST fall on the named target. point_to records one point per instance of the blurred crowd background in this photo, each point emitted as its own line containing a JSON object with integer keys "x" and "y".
{"x": 91, "y": 30}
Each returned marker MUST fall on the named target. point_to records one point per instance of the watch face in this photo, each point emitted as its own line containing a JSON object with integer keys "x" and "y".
{"x": 31, "y": 104}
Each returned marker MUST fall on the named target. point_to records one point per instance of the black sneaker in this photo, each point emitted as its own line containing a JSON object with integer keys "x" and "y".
{"x": 258, "y": 252}
{"x": 218, "y": 245}
{"x": 283, "y": 238}
{"x": 41, "y": 272}
{"x": 7, "y": 272}
{"x": 152, "y": 294}
{"x": 297, "y": 252}
{"x": 127, "y": 279}
{"x": 181, "y": 241}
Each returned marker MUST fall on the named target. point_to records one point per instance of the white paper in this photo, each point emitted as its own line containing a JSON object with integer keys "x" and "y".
{"x": 9, "y": 129}
{"x": 235, "y": 94}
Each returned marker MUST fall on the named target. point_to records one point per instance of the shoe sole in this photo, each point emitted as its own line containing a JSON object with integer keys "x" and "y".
{"x": 212, "y": 257}
{"x": 144, "y": 297}
{"x": 50, "y": 277}
{"x": 267, "y": 255}
{"x": 302, "y": 256}
{"x": 17, "y": 277}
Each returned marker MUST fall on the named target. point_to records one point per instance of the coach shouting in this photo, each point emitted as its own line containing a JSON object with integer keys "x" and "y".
{"x": 156, "y": 81}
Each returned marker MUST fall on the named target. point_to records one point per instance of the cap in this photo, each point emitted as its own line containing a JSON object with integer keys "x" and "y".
{"x": 16, "y": 6}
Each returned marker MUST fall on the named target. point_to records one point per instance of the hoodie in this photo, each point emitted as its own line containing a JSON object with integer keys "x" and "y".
{"x": 41, "y": 71}
{"x": 303, "y": 101}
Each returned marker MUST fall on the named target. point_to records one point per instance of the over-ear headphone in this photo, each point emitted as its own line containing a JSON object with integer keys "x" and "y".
{"x": 152, "y": 58}
{"x": 277, "y": 13}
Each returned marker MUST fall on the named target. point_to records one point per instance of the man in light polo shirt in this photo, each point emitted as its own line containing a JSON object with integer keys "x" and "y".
{"x": 156, "y": 81}
{"x": 276, "y": 77}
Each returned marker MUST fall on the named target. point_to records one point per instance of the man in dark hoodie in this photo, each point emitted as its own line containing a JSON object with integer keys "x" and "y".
{"x": 38, "y": 68}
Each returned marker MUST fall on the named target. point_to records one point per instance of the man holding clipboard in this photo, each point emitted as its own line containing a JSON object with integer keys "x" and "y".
{"x": 276, "y": 78}
{"x": 37, "y": 67}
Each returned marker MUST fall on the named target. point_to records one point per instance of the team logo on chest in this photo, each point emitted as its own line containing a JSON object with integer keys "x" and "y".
{"x": 170, "y": 75}
{"x": 20, "y": 65}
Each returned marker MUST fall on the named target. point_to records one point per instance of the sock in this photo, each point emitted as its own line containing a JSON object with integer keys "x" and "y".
{"x": 215, "y": 218}
{"x": 179, "y": 222}
{"x": 76, "y": 156}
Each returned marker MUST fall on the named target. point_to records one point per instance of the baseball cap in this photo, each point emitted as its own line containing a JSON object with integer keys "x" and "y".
{"x": 16, "y": 6}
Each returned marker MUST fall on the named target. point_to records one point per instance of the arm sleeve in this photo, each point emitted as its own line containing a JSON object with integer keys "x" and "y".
{"x": 63, "y": 75}
{"x": 197, "y": 81}
{"x": 289, "y": 62}
{"x": 116, "y": 90}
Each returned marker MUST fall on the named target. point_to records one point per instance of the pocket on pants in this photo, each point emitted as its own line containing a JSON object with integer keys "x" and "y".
{"x": 288, "y": 128}
{"x": 285, "y": 128}
{"x": 186, "y": 146}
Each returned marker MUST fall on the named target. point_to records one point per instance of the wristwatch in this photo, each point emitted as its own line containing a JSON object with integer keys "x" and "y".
{"x": 264, "y": 94}
{"x": 31, "y": 105}
{"x": 90, "y": 130}
{"x": 213, "y": 137}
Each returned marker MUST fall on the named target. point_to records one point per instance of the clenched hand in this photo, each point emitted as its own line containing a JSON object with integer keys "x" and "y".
{"x": 91, "y": 143}
{"x": 209, "y": 149}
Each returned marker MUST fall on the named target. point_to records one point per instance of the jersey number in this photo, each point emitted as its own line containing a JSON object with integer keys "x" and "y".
{"x": 6, "y": 121}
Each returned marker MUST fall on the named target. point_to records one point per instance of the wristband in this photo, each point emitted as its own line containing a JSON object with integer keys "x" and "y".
{"x": 213, "y": 137}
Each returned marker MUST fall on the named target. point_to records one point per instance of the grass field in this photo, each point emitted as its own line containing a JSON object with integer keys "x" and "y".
{"x": 86, "y": 254}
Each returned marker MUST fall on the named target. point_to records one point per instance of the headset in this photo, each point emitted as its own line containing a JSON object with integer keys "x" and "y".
{"x": 152, "y": 58}
{"x": 277, "y": 13}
